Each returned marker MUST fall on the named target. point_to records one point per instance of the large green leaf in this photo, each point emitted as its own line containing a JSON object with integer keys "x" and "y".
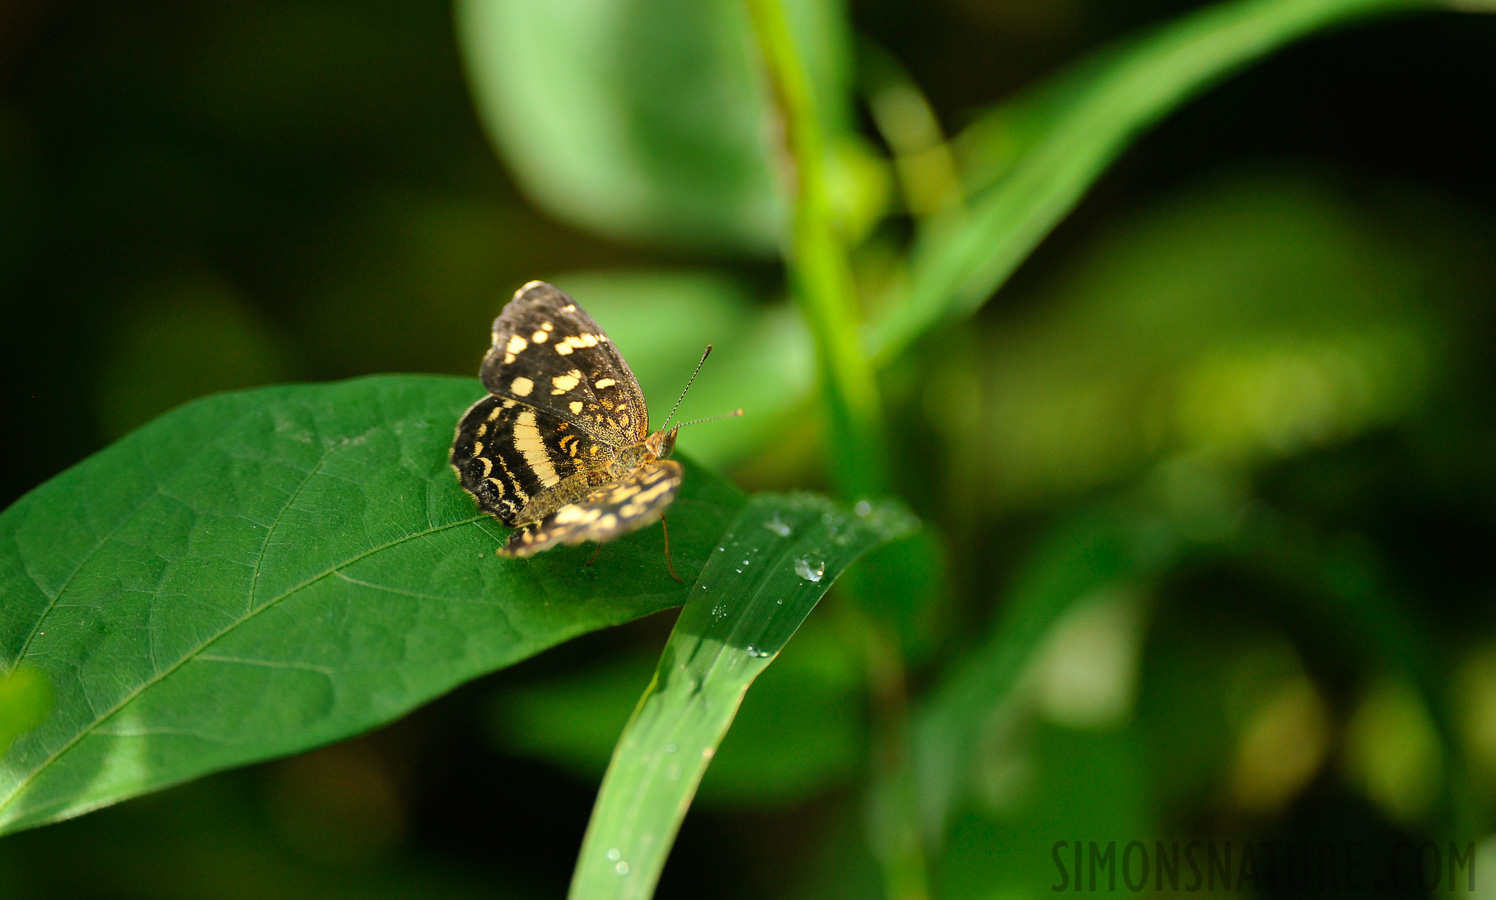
{"x": 774, "y": 563}
{"x": 643, "y": 120}
{"x": 1043, "y": 153}
{"x": 262, "y": 572}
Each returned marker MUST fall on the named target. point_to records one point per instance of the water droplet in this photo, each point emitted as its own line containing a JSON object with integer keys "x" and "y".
{"x": 622, "y": 868}
{"x": 811, "y": 568}
{"x": 614, "y": 854}
{"x": 827, "y": 518}
{"x": 719, "y": 611}
{"x": 671, "y": 748}
{"x": 862, "y": 508}
{"x": 745, "y": 562}
{"x": 778, "y": 527}
{"x": 752, "y": 650}
{"x": 739, "y": 571}
{"x": 721, "y": 549}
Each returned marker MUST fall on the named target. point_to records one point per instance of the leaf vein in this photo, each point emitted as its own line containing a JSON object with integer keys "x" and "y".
{"x": 99, "y": 719}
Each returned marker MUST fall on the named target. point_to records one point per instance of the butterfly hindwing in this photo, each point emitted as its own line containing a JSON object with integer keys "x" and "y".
{"x": 549, "y": 354}
{"x": 506, "y": 453}
{"x": 607, "y": 513}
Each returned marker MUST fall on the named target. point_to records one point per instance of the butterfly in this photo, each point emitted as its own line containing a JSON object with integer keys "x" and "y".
{"x": 560, "y": 449}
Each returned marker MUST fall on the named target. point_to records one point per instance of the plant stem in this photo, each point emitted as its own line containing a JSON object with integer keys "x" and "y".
{"x": 820, "y": 270}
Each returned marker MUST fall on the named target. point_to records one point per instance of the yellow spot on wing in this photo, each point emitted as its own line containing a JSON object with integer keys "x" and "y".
{"x": 539, "y": 337}
{"x": 564, "y": 383}
{"x": 576, "y": 407}
{"x": 521, "y": 386}
{"x": 604, "y": 383}
{"x": 515, "y": 346}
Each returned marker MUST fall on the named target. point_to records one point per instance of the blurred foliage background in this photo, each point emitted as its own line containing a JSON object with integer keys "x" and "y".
{"x": 1222, "y": 449}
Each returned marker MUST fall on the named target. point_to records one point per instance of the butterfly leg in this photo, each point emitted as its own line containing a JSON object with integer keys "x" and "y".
{"x": 592, "y": 559}
{"x": 668, "y": 564}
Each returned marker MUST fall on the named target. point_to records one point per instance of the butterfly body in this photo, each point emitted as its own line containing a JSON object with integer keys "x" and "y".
{"x": 560, "y": 449}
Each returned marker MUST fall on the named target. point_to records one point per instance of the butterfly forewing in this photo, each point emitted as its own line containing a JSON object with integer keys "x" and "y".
{"x": 550, "y": 355}
{"x": 613, "y": 510}
{"x": 506, "y": 453}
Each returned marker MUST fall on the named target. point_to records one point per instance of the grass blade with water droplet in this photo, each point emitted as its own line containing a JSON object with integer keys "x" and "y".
{"x": 738, "y": 619}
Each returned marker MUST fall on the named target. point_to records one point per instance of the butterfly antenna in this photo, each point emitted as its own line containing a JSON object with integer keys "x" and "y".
{"x": 727, "y": 415}
{"x": 689, "y": 382}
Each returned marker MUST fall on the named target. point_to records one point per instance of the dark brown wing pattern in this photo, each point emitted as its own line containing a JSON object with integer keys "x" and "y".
{"x": 505, "y": 453}
{"x": 549, "y": 354}
{"x": 607, "y": 513}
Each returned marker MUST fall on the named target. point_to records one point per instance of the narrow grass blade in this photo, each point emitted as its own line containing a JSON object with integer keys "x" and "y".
{"x": 776, "y": 561}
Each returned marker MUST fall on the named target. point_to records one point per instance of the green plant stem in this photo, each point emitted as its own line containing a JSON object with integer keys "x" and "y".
{"x": 820, "y": 269}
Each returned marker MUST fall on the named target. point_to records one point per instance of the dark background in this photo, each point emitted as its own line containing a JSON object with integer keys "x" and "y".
{"x": 199, "y": 197}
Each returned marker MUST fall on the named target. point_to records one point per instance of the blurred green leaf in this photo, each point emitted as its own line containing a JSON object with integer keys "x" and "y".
{"x": 1075, "y": 786}
{"x": 1089, "y": 554}
{"x": 644, "y": 119}
{"x": 737, "y": 621}
{"x": 1338, "y": 593}
{"x": 1054, "y": 145}
{"x": 1256, "y": 316}
{"x": 25, "y": 700}
{"x": 798, "y": 731}
{"x": 262, "y": 572}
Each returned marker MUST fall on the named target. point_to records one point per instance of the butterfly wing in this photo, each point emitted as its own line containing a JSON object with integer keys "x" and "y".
{"x": 505, "y": 453}
{"x": 605, "y": 514}
{"x": 550, "y": 355}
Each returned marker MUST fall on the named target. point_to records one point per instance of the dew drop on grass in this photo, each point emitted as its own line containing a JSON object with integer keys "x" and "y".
{"x": 862, "y": 508}
{"x": 719, "y": 611}
{"x": 622, "y": 868}
{"x": 752, "y": 650}
{"x": 811, "y": 568}
{"x": 777, "y": 526}
{"x": 671, "y": 748}
{"x": 614, "y": 854}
